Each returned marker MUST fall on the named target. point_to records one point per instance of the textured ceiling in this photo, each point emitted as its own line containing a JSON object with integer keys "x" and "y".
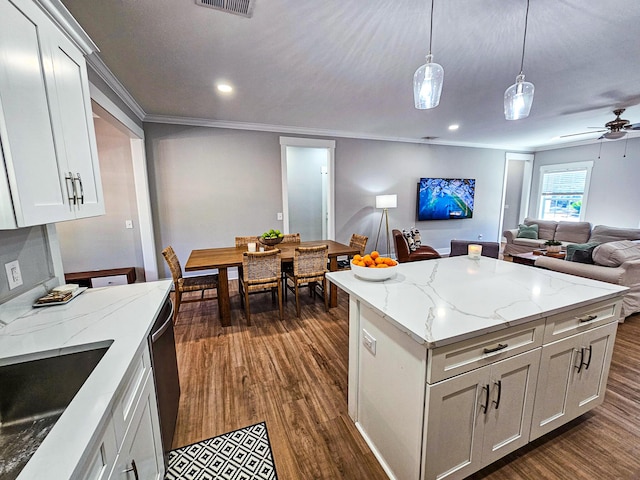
{"x": 345, "y": 67}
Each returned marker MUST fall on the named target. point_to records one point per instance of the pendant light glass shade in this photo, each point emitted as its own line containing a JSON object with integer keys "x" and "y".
{"x": 518, "y": 99}
{"x": 427, "y": 84}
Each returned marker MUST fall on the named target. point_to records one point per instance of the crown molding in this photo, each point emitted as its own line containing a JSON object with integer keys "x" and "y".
{"x": 59, "y": 13}
{"x": 261, "y": 127}
{"x": 98, "y": 66}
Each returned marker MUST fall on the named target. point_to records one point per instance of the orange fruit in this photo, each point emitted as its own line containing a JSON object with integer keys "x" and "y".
{"x": 357, "y": 258}
{"x": 382, "y": 265}
{"x": 379, "y": 260}
{"x": 374, "y": 254}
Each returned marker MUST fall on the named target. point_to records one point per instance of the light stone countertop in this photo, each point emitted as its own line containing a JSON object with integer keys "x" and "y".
{"x": 121, "y": 316}
{"x": 438, "y": 302}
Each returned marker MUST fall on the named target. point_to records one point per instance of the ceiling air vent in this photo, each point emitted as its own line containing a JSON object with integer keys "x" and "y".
{"x": 243, "y": 8}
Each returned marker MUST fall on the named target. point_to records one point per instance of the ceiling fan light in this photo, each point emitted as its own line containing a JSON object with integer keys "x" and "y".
{"x": 427, "y": 84}
{"x": 614, "y": 135}
{"x": 518, "y": 99}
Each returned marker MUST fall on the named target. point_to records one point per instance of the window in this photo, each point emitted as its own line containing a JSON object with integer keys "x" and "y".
{"x": 563, "y": 191}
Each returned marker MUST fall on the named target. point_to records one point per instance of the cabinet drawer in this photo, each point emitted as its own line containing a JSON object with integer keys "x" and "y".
{"x": 130, "y": 394}
{"x": 465, "y": 356}
{"x": 109, "y": 281}
{"x": 581, "y": 319}
{"x": 101, "y": 459}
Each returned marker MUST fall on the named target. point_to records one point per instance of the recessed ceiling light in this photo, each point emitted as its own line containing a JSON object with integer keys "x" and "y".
{"x": 224, "y": 88}
{"x": 454, "y": 127}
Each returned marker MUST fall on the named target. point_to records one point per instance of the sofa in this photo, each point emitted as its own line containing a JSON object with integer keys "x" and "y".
{"x": 405, "y": 254}
{"x": 616, "y": 262}
{"x": 564, "y": 232}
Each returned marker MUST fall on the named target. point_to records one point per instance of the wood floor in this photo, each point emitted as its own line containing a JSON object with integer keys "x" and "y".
{"x": 292, "y": 374}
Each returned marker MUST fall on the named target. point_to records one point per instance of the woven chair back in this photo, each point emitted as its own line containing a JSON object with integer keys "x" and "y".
{"x": 358, "y": 241}
{"x": 291, "y": 238}
{"x": 261, "y": 267}
{"x": 310, "y": 261}
{"x": 174, "y": 264}
{"x": 244, "y": 241}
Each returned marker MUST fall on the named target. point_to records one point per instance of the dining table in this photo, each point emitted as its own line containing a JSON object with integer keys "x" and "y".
{"x": 223, "y": 258}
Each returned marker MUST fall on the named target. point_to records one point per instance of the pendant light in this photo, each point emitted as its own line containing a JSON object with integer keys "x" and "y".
{"x": 427, "y": 81}
{"x": 518, "y": 98}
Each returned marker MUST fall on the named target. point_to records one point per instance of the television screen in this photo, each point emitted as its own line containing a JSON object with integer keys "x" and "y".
{"x": 445, "y": 198}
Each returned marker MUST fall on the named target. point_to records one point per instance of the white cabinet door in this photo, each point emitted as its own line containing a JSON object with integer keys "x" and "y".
{"x": 572, "y": 378}
{"x": 46, "y": 124}
{"x": 35, "y": 187}
{"x": 454, "y": 425}
{"x": 140, "y": 455}
{"x": 478, "y": 417}
{"x": 512, "y": 394}
{"x": 73, "y": 125}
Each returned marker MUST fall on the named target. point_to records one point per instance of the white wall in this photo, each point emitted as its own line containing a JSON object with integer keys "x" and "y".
{"x": 209, "y": 185}
{"x": 614, "y": 195}
{"x": 103, "y": 242}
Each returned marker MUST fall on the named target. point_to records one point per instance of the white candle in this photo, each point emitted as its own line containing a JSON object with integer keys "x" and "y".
{"x": 251, "y": 246}
{"x": 474, "y": 251}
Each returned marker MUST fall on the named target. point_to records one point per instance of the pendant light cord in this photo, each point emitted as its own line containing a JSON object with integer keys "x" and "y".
{"x": 431, "y": 27}
{"x": 524, "y": 40}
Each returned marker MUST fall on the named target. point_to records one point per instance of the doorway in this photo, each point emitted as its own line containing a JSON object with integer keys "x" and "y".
{"x": 308, "y": 187}
{"x": 516, "y": 190}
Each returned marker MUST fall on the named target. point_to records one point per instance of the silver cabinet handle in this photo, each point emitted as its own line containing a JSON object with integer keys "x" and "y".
{"x": 71, "y": 196}
{"x": 79, "y": 180}
{"x": 587, "y": 318}
{"x": 133, "y": 469}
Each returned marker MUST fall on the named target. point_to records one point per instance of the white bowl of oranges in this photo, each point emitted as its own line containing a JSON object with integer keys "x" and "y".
{"x": 373, "y": 266}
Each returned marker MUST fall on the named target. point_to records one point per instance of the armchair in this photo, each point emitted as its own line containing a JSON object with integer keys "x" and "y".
{"x": 405, "y": 254}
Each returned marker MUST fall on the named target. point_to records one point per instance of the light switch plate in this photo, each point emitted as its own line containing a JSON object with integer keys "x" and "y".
{"x": 14, "y": 277}
{"x": 279, "y": 216}
{"x": 368, "y": 341}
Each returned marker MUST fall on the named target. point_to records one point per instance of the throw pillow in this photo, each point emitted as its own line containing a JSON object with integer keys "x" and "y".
{"x": 584, "y": 256}
{"x": 417, "y": 239}
{"x": 614, "y": 254}
{"x": 573, "y": 248}
{"x": 527, "y": 231}
{"x": 409, "y": 238}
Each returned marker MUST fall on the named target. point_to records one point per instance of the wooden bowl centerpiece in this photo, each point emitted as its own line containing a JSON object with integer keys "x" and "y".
{"x": 271, "y": 238}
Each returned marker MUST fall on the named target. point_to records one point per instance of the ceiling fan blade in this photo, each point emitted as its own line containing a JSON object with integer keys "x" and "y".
{"x": 633, "y": 126}
{"x": 582, "y": 133}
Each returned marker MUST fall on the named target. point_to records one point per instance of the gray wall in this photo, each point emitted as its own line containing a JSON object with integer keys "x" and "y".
{"x": 614, "y": 195}
{"x": 513, "y": 194}
{"x": 209, "y": 185}
{"x": 30, "y": 247}
{"x": 103, "y": 242}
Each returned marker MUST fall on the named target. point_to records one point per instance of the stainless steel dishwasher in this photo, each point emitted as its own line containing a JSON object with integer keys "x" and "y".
{"x": 165, "y": 371}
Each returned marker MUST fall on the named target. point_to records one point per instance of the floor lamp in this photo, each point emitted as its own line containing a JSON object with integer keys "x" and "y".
{"x": 385, "y": 202}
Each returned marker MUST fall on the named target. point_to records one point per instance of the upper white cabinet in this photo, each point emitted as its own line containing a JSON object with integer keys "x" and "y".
{"x": 46, "y": 124}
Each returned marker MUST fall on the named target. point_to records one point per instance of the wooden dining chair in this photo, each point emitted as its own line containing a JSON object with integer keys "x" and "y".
{"x": 183, "y": 285}
{"x": 309, "y": 268}
{"x": 261, "y": 271}
{"x": 291, "y": 238}
{"x": 356, "y": 241}
{"x": 244, "y": 241}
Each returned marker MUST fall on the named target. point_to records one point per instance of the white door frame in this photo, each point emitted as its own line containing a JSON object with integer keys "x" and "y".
{"x": 527, "y": 175}
{"x": 330, "y": 145}
{"x": 140, "y": 179}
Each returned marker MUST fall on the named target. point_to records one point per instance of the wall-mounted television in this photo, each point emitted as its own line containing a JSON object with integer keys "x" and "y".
{"x": 445, "y": 198}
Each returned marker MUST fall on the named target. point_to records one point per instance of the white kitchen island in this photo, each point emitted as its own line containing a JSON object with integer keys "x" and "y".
{"x": 456, "y": 362}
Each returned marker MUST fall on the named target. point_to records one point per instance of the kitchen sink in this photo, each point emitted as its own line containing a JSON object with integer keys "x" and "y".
{"x": 33, "y": 396}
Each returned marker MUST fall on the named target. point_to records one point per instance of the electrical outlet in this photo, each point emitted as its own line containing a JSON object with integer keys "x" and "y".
{"x": 128, "y": 224}
{"x": 14, "y": 277}
{"x": 279, "y": 216}
{"x": 368, "y": 341}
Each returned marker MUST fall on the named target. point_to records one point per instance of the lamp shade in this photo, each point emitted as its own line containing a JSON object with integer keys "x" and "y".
{"x": 427, "y": 84}
{"x": 386, "y": 201}
{"x": 518, "y": 99}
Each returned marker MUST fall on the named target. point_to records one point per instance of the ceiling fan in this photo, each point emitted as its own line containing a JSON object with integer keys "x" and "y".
{"x": 614, "y": 129}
